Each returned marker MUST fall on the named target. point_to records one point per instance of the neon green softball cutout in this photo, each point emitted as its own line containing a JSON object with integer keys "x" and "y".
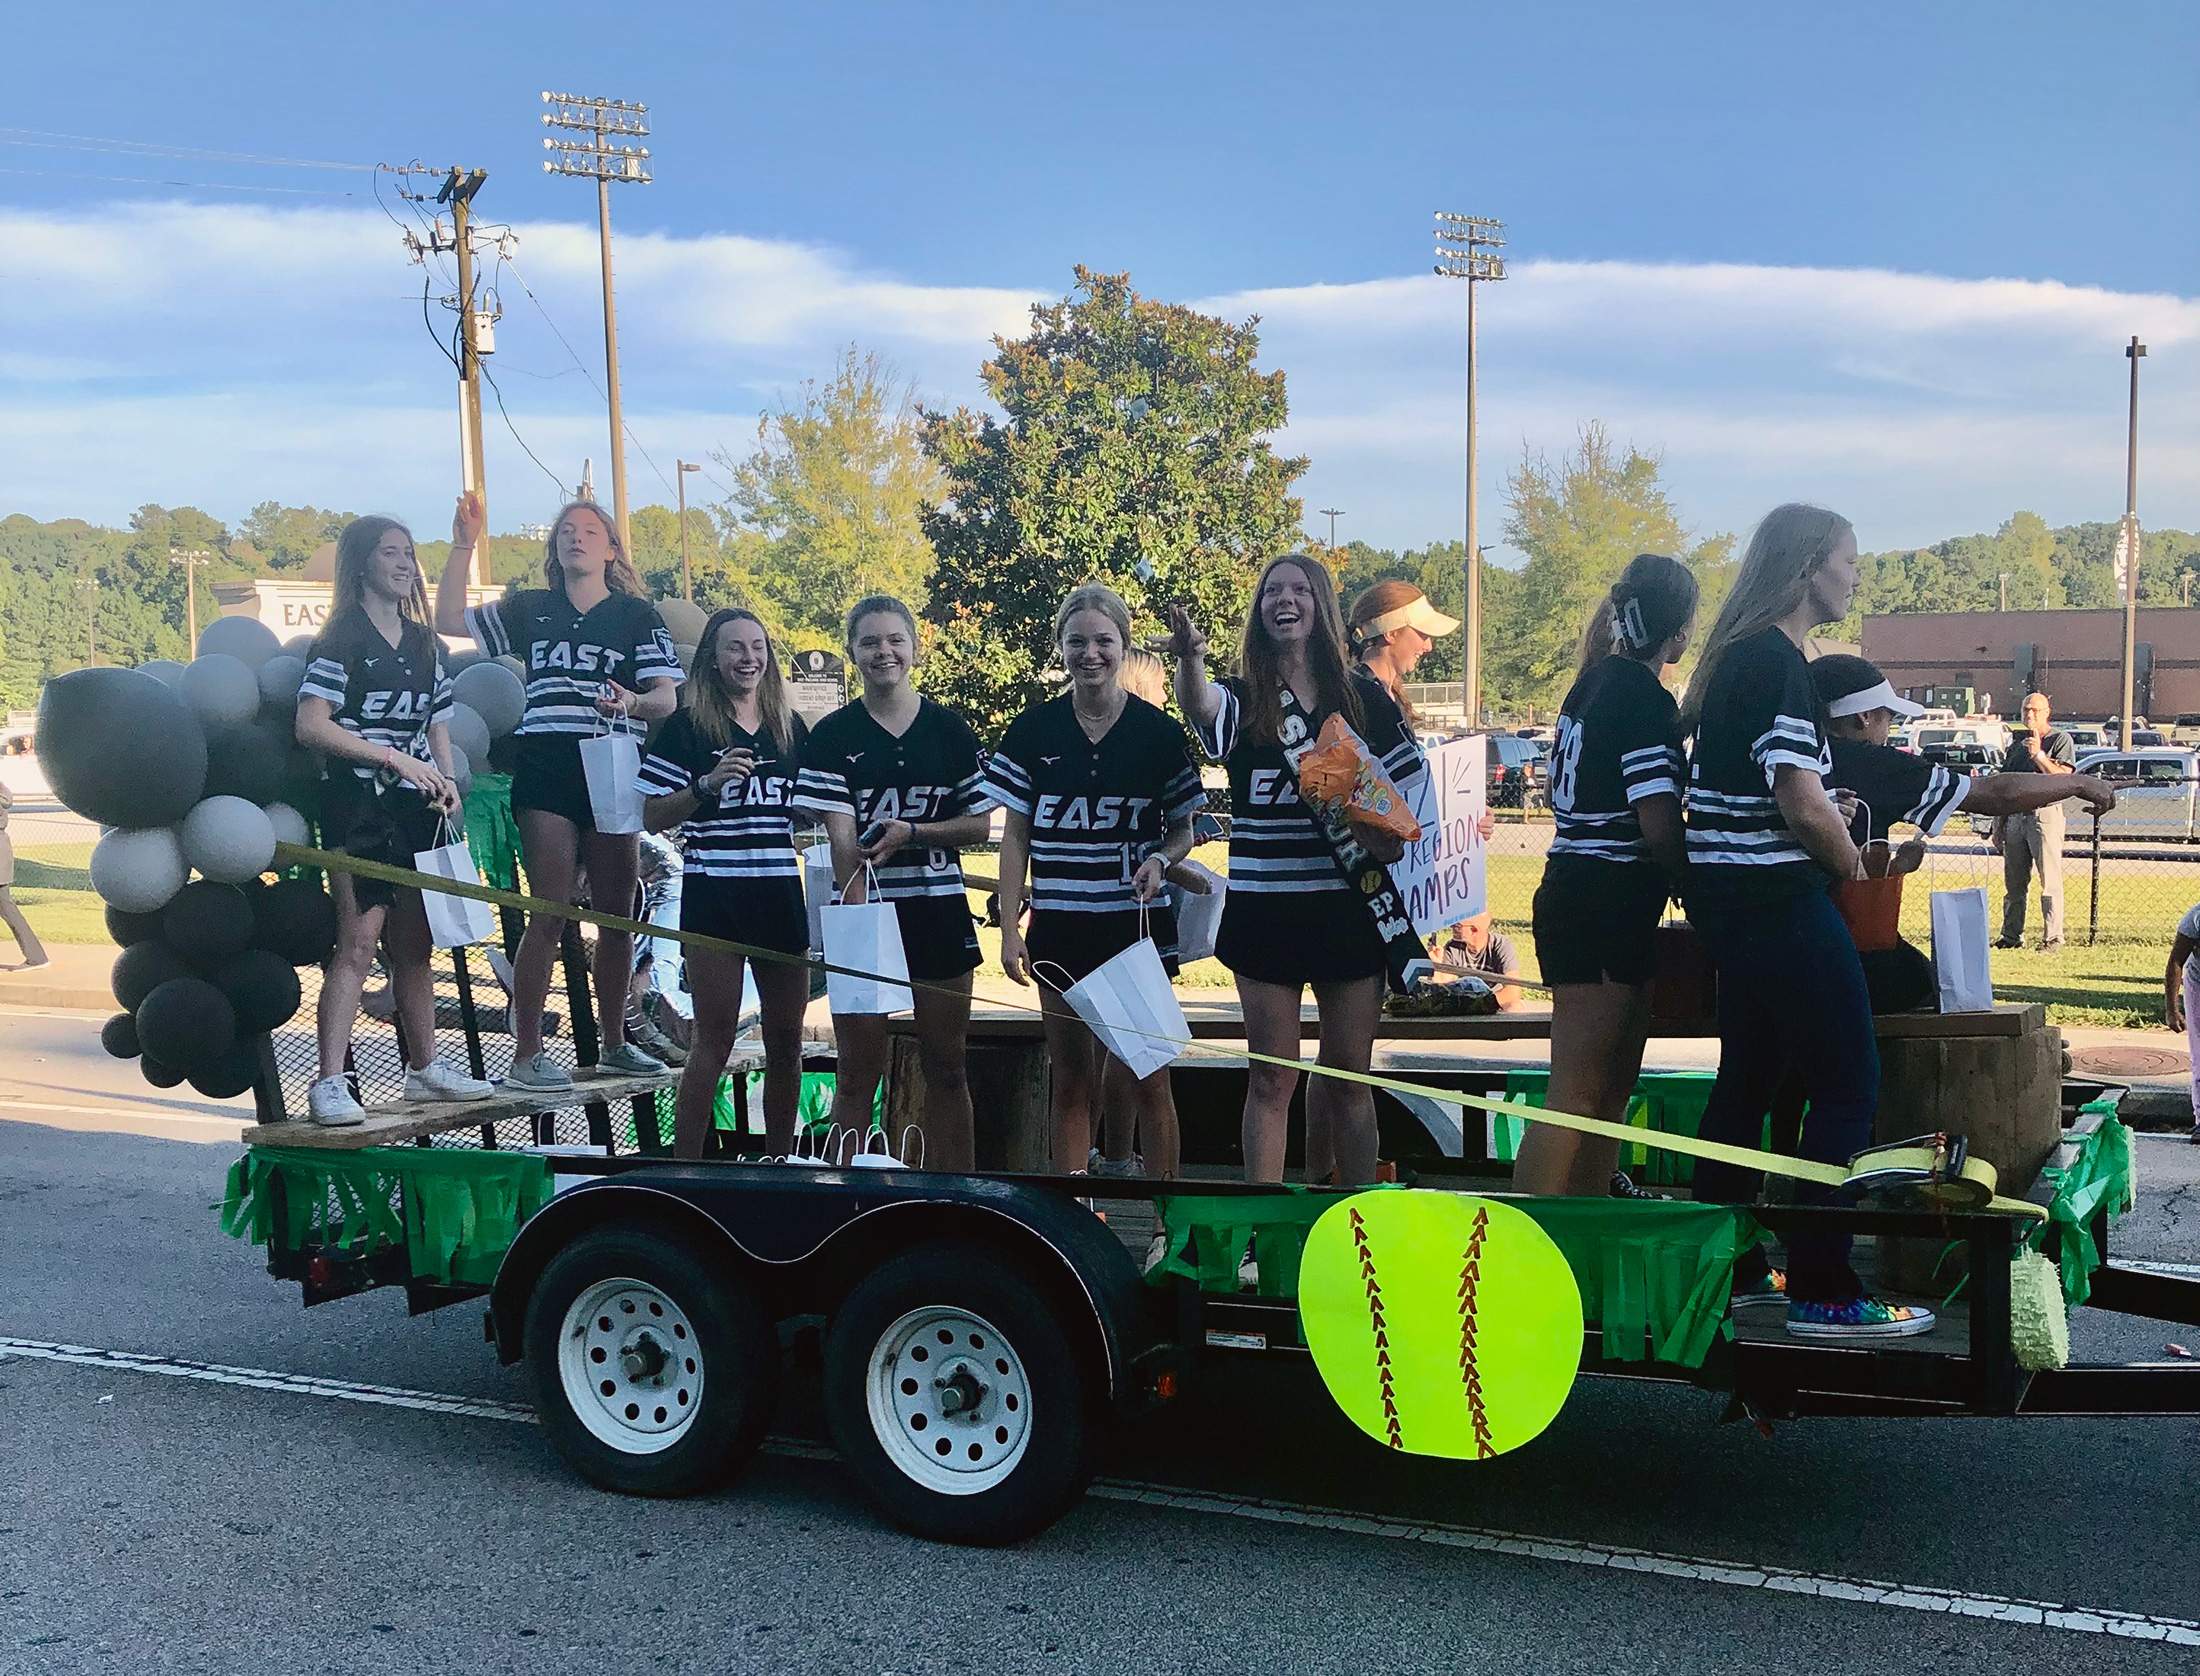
{"x": 1442, "y": 1324}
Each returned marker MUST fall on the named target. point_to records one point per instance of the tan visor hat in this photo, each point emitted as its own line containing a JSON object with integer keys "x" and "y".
{"x": 1419, "y": 615}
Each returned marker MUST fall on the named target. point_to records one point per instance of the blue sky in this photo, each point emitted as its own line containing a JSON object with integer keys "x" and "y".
{"x": 1882, "y": 257}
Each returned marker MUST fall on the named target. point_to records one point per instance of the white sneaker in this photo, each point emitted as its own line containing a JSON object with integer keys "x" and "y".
{"x": 437, "y": 1080}
{"x": 539, "y": 1075}
{"x": 1156, "y": 1252}
{"x": 330, "y": 1103}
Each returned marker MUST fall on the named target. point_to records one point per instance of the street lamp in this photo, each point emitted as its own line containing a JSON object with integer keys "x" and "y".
{"x": 687, "y": 570}
{"x": 1467, "y": 248}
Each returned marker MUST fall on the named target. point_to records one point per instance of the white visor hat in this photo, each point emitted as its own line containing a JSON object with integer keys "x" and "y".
{"x": 1881, "y": 697}
{"x": 1419, "y": 615}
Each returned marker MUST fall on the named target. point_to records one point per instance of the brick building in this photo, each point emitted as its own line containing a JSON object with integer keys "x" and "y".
{"x": 2075, "y": 657}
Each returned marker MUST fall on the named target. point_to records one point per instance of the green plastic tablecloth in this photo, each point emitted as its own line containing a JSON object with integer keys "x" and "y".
{"x": 1655, "y": 1277}
{"x": 1668, "y": 1102}
{"x": 2102, "y": 1174}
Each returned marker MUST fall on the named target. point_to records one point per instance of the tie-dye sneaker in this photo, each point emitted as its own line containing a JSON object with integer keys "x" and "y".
{"x": 1858, "y": 1318}
{"x": 1770, "y": 1288}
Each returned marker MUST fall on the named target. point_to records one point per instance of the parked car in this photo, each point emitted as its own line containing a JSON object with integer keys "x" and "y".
{"x": 1969, "y": 745}
{"x": 2084, "y": 736}
{"x": 2156, "y": 791}
{"x": 1519, "y": 774}
{"x": 2185, "y": 730}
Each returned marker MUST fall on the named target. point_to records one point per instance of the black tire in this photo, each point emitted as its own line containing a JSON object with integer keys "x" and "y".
{"x": 1057, "y": 1429}
{"x": 736, "y": 1355}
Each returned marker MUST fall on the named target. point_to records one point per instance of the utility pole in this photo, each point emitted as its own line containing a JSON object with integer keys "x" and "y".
{"x": 190, "y": 559}
{"x": 90, "y": 588}
{"x": 459, "y": 187}
{"x": 2004, "y": 581}
{"x": 2129, "y": 540}
{"x": 597, "y": 157}
{"x": 1467, "y": 248}
{"x": 1332, "y": 514}
{"x": 687, "y": 568}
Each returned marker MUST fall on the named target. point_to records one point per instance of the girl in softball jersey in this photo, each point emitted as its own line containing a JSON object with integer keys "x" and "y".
{"x": 1100, "y": 791}
{"x": 597, "y": 655}
{"x": 1617, "y": 854}
{"x": 897, "y": 779}
{"x": 1291, "y": 919}
{"x": 723, "y": 770}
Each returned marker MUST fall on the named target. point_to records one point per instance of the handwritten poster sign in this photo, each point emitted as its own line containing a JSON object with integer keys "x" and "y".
{"x": 1441, "y": 877}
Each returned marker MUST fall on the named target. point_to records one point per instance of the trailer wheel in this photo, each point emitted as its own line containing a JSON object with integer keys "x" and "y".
{"x": 956, "y": 1398}
{"x": 653, "y": 1375}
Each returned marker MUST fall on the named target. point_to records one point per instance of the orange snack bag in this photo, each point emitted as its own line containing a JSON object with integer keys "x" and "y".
{"x": 1339, "y": 772}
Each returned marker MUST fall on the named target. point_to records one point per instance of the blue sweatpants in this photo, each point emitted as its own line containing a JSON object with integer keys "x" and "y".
{"x": 1791, "y": 996}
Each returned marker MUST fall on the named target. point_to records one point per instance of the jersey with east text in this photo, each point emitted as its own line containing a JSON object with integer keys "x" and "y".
{"x": 384, "y": 694}
{"x": 747, "y": 830}
{"x": 570, "y": 654}
{"x": 932, "y": 771}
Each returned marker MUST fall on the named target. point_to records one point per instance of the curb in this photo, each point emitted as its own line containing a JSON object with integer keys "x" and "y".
{"x": 20, "y": 991}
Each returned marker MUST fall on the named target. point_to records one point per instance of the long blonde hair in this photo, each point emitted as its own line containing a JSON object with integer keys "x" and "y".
{"x": 711, "y": 700}
{"x": 1262, "y": 668}
{"x": 1791, "y": 542}
{"x": 619, "y": 574}
{"x": 355, "y": 545}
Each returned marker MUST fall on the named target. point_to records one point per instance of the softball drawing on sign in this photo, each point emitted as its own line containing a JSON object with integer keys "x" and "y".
{"x": 1441, "y": 1324}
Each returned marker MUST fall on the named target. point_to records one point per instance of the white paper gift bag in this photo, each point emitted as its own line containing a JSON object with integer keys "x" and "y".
{"x": 817, "y": 889}
{"x": 1959, "y": 951}
{"x": 454, "y": 922}
{"x": 1199, "y": 917}
{"x": 1130, "y": 1006}
{"x": 612, "y": 763}
{"x": 867, "y": 937}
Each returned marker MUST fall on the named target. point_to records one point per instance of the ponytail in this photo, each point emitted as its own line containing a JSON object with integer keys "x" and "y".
{"x": 1651, "y": 602}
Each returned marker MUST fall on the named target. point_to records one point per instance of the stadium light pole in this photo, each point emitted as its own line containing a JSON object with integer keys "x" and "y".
{"x": 602, "y": 156}
{"x": 2134, "y": 351}
{"x": 687, "y": 569}
{"x": 1467, "y": 247}
{"x": 1332, "y": 513}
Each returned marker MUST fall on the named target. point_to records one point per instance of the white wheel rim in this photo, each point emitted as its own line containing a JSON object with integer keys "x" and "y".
{"x": 949, "y": 1400}
{"x": 630, "y": 1366}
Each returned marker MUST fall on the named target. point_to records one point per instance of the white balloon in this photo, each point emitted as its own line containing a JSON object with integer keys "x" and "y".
{"x": 685, "y": 650}
{"x": 684, "y": 620}
{"x": 228, "y": 839}
{"x": 280, "y": 678}
{"x": 247, "y": 639}
{"x": 288, "y": 824}
{"x": 221, "y": 689}
{"x": 138, "y": 869}
{"x": 469, "y": 732}
{"x": 493, "y": 693}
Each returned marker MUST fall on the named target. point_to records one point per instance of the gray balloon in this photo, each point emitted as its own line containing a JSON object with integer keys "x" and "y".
{"x": 247, "y": 639}
{"x": 684, "y": 619}
{"x": 280, "y": 678}
{"x": 221, "y": 689}
{"x": 494, "y": 694}
{"x": 455, "y": 662}
{"x": 163, "y": 669}
{"x": 138, "y": 871}
{"x": 513, "y": 664}
{"x": 469, "y": 733}
{"x": 299, "y": 645}
{"x": 463, "y": 778}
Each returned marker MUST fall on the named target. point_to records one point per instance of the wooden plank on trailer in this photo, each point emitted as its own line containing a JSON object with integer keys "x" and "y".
{"x": 409, "y": 1120}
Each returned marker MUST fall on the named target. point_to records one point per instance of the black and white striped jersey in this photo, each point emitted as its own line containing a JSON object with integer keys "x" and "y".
{"x": 932, "y": 772}
{"x": 570, "y": 654}
{"x": 747, "y": 830}
{"x": 1617, "y": 743}
{"x": 1275, "y": 842}
{"x": 1760, "y": 715}
{"x": 1097, "y": 808}
{"x": 384, "y": 694}
{"x": 1895, "y": 788}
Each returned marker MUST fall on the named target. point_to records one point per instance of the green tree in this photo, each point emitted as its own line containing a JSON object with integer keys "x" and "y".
{"x": 287, "y": 536}
{"x": 1134, "y": 433}
{"x": 1579, "y": 520}
{"x": 835, "y": 490}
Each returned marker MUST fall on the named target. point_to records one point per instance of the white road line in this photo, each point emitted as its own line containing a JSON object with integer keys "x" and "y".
{"x": 2131, "y": 1626}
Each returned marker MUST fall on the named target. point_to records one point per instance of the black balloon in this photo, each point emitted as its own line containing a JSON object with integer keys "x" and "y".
{"x": 297, "y": 920}
{"x": 230, "y": 1075}
{"x": 248, "y": 761}
{"x": 125, "y": 928}
{"x": 159, "y": 1075}
{"x": 119, "y": 1036}
{"x": 261, "y": 986}
{"x": 120, "y": 747}
{"x": 187, "y": 1022}
{"x": 207, "y": 921}
{"x": 142, "y": 968}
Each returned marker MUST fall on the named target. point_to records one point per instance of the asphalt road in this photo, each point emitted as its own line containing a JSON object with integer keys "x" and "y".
{"x": 234, "y": 1522}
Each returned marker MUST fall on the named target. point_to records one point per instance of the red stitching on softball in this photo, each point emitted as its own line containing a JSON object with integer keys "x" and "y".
{"x": 1382, "y": 1339}
{"x": 1470, "y": 1278}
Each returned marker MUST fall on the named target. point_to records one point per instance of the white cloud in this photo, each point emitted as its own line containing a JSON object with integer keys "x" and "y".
{"x": 179, "y": 352}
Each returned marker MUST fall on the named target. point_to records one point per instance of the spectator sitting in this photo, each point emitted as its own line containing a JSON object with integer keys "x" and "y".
{"x": 1473, "y": 946}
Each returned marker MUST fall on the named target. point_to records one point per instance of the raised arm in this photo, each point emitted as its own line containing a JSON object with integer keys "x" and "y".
{"x": 458, "y": 569}
{"x": 1198, "y": 697}
{"x": 2014, "y": 794}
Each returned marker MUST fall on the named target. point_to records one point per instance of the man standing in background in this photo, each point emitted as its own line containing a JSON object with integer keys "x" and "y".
{"x": 2035, "y": 840}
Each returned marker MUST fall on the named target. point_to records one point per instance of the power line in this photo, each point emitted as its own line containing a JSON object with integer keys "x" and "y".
{"x": 48, "y": 139}
{"x": 196, "y": 185}
{"x": 514, "y": 429}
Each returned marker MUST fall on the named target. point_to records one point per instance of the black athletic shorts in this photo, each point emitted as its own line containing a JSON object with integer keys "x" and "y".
{"x": 547, "y": 775}
{"x": 1081, "y": 943}
{"x": 938, "y": 936}
{"x": 764, "y": 913}
{"x": 1598, "y": 920}
{"x": 391, "y": 825}
{"x": 1295, "y": 937}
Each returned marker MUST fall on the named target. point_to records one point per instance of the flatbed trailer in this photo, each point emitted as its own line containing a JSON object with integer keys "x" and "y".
{"x": 980, "y": 1332}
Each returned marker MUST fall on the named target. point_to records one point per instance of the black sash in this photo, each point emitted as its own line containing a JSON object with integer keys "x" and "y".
{"x": 1403, "y": 953}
